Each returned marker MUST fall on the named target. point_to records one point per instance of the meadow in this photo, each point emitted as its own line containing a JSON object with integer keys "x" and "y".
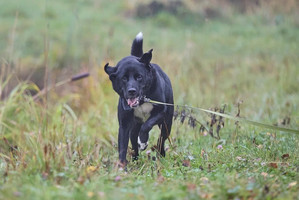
{"x": 64, "y": 145}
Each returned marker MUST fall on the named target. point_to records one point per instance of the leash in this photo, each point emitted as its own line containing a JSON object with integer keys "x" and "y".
{"x": 255, "y": 123}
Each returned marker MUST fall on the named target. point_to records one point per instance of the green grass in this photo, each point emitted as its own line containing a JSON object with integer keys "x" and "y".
{"x": 67, "y": 147}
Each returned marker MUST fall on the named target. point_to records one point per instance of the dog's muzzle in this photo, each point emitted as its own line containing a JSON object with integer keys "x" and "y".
{"x": 133, "y": 102}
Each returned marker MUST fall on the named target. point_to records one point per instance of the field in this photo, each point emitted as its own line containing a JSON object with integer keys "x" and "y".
{"x": 64, "y": 145}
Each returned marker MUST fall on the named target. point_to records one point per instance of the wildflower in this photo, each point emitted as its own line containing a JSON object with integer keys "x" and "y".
{"x": 118, "y": 178}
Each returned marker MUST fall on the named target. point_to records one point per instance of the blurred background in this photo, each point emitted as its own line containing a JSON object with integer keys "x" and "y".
{"x": 238, "y": 53}
{"x": 215, "y": 51}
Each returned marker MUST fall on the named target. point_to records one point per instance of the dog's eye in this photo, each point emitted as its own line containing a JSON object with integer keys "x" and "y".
{"x": 138, "y": 77}
{"x": 124, "y": 79}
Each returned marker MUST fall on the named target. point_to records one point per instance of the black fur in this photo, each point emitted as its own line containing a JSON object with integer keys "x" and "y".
{"x": 133, "y": 78}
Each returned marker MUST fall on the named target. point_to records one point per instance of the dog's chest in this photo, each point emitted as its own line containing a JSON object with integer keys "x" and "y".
{"x": 143, "y": 111}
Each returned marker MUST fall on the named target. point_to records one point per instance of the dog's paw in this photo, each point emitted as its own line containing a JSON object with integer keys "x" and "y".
{"x": 142, "y": 146}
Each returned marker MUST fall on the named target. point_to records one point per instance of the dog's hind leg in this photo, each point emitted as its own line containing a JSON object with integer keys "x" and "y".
{"x": 165, "y": 132}
{"x": 133, "y": 137}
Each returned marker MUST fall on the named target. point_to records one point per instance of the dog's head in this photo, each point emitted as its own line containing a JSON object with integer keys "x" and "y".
{"x": 131, "y": 77}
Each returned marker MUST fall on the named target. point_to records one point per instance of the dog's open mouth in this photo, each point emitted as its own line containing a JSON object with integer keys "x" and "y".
{"x": 133, "y": 102}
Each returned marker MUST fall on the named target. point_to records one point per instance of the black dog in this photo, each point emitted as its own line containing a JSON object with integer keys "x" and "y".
{"x": 135, "y": 78}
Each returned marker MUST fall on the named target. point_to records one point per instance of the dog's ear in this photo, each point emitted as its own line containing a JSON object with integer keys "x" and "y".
{"x": 146, "y": 58}
{"x": 110, "y": 71}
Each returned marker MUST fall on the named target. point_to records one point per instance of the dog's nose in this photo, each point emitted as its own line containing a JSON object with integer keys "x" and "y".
{"x": 132, "y": 91}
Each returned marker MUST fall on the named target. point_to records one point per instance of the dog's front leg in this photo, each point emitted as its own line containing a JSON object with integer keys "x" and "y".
{"x": 146, "y": 127}
{"x": 125, "y": 125}
{"x": 123, "y": 141}
{"x": 133, "y": 136}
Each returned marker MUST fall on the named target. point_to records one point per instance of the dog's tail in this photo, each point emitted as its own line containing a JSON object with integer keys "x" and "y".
{"x": 136, "y": 49}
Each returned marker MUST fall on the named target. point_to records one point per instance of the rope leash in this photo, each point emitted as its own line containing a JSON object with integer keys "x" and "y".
{"x": 255, "y": 123}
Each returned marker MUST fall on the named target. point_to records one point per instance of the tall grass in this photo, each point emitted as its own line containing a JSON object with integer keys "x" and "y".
{"x": 69, "y": 148}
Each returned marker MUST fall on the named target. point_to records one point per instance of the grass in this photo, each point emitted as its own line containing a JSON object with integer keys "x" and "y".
{"x": 66, "y": 147}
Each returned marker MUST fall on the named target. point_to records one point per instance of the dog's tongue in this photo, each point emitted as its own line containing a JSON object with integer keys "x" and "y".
{"x": 132, "y": 102}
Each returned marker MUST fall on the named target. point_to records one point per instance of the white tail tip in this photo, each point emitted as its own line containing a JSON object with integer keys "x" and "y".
{"x": 139, "y": 36}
